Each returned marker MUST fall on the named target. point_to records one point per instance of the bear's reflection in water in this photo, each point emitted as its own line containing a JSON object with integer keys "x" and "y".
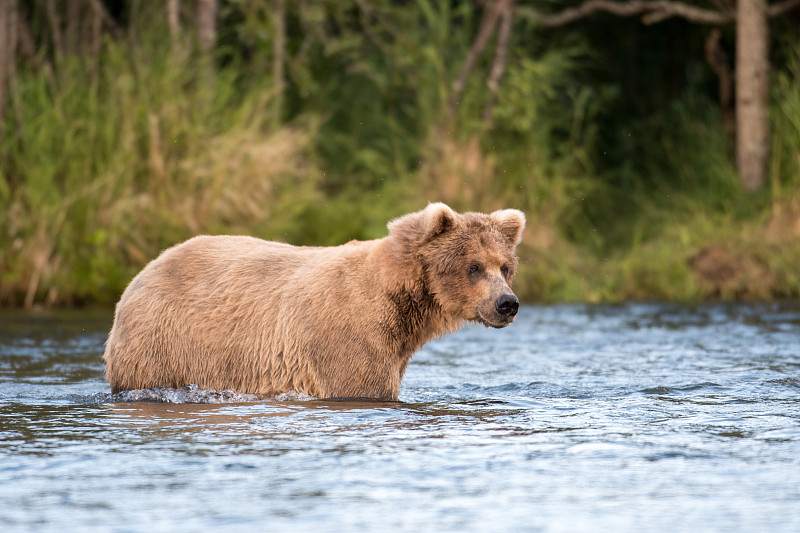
{"x": 154, "y": 414}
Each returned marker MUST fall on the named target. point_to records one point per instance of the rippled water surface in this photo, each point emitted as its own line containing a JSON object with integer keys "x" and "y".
{"x": 575, "y": 418}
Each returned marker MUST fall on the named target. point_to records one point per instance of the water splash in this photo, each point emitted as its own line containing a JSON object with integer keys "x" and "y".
{"x": 194, "y": 394}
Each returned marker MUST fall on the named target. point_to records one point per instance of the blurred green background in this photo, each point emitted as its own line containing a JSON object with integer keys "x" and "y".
{"x": 129, "y": 126}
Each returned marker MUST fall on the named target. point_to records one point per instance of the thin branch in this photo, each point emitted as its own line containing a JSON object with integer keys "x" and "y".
{"x": 55, "y": 26}
{"x": 718, "y": 60}
{"x": 26, "y": 44}
{"x": 781, "y": 8}
{"x": 108, "y": 20}
{"x": 73, "y": 19}
{"x": 657, "y": 9}
{"x": 96, "y": 38}
{"x": 174, "y": 21}
{"x": 484, "y": 34}
{"x": 652, "y": 11}
{"x": 501, "y": 51}
{"x": 278, "y": 58}
{"x": 366, "y": 12}
{"x": 500, "y": 57}
{"x": 7, "y": 53}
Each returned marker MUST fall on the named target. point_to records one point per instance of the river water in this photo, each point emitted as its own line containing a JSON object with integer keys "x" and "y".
{"x": 641, "y": 417}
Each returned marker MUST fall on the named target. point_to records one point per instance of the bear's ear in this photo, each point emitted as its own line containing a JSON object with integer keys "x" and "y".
{"x": 425, "y": 225}
{"x": 510, "y": 222}
{"x": 438, "y": 219}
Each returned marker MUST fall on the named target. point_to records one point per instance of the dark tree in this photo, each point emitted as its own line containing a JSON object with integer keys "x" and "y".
{"x": 752, "y": 60}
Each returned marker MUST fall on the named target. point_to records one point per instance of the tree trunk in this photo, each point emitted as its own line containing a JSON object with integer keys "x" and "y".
{"x": 173, "y": 21}
{"x": 752, "y": 133}
{"x": 4, "y": 58}
{"x": 278, "y": 59}
{"x": 206, "y": 23}
{"x": 8, "y": 48}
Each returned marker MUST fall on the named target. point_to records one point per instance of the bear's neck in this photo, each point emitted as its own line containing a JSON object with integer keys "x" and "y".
{"x": 414, "y": 316}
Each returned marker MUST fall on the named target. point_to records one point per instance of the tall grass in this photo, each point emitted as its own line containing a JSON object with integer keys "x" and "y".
{"x": 99, "y": 177}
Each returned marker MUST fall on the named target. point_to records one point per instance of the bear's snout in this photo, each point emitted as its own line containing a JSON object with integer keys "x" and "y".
{"x": 507, "y": 305}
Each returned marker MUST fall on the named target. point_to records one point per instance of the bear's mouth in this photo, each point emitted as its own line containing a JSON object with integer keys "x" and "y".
{"x": 495, "y": 322}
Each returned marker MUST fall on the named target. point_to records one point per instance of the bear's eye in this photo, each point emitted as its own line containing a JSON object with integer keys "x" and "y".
{"x": 504, "y": 270}
{"x": 474, "y": 268}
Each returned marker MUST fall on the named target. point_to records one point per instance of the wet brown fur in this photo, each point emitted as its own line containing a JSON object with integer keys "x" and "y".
{"x": 262, "y": 317}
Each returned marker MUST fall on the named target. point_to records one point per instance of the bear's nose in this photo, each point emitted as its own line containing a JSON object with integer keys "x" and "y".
{"x": 507, "y": 305}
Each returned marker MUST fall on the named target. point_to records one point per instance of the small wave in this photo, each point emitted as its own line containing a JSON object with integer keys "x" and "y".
{"x": 789, "y": 382}
{"x": 680, "y": 389}
{"x": 532, "y": 389}
{"x": 194, "y": 394}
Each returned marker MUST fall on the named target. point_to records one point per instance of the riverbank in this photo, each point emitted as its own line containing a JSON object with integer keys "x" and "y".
{"x": 697, "y": 260}
{"x": 701, "y": 259}
{"x": 78, "y": 244}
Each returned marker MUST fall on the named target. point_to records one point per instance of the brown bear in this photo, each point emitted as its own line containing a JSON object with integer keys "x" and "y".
{"x": 265, "y": 318}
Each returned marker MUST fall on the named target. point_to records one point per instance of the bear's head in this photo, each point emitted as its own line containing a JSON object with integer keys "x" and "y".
{"x": 467, "y": 261}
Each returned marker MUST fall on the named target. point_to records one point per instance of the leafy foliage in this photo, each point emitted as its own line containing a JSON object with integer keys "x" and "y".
{"x": 107, "y": 159}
